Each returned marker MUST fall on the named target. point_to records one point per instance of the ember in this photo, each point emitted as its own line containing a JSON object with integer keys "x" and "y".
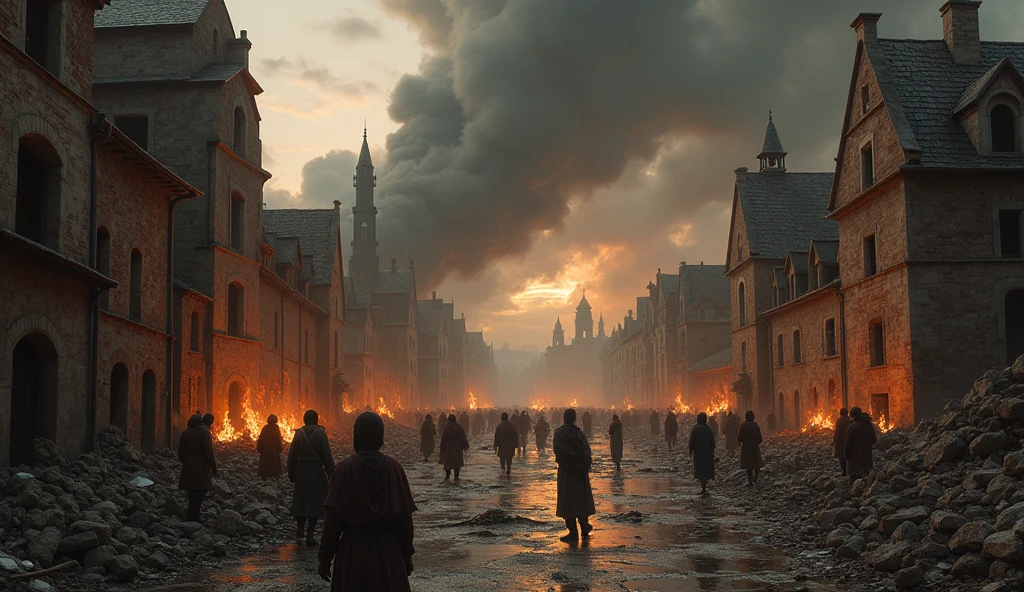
{"x": 819, "y": 421}
{"x": 472, "y": 401}
{"x": 384, "y": 410}
{"x": 883, "y": 424}
{"x": 680, "y": 408}
{"x": 574, "y": 403}
{"x": 254, "y": 420}
{"x": 719, "y": 401}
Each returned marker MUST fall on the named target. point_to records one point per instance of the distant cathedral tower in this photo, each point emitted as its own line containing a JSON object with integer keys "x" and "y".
{"x": 364, "y": 263}
{"x": 772, "y": 157}
{"x": 558, "y": 335}
{"x": 584, "y": 319}
{"x": 600, "y": 326}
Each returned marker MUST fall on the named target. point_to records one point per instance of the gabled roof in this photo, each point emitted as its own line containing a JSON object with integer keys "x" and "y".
{"x": 698, "y": 282}
{"x": 827, "y": 251}
{"x": 396, "y": 281}
{"x": 798, "y": 261}
{"x": 317, "y": 231}
{"x": 779, "y": 276}
{"x": 430, "y": 316}
{"x": 150, "y": 13}
{"x": 782, "y": 211}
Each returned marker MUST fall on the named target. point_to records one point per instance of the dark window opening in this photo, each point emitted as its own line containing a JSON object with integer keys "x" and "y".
{"x": 877, "y": 343}
{"x": 742, "y": 297}
{"x": 42, "y": 33}
{"x": 1014, "y": 309}
{"x": 830, "y": 337}
{"x": 782, "y": 357}
{"x": 796, "y": 347}
{"x": 239, "y": 136}
{"x": 37, "y": 204}
{"x": 103, "y": 262}
{"x": 135, "y": 287}
{"x": 880, "y": 407}
{"x": 864, "y": 99}
{"x": 237, "y": 221}
{"x": 1009, "y": 234}
{"x": 136, "y": 127}
{"x": 33, "y": 400}
{"x": 236, "y": 310}
{"x": 194, "y": 336}
{"x": 870, "y": 256}
{"x": 743, "y": 357}
{"x": 1004, "y": 129}
{"x": 867, "y": 167}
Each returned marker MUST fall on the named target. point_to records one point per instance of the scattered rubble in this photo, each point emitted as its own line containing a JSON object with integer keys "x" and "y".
{"x": 494, "y": 517}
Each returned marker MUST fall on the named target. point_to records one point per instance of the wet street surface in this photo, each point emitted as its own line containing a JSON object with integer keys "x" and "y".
{"x": 653, "y": 531}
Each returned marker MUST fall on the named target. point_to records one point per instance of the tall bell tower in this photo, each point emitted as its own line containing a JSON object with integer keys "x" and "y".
{"x": 364, "y": 263}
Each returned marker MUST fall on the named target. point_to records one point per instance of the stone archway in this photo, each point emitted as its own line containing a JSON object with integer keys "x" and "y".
{"x": 235, "y": 405}
{"x": 33, "y": 395}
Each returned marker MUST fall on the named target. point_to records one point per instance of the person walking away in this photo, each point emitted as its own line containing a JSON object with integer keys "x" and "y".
{"x": 464, "y": 421}
{"x": 772, "y": 425}
{"x": 749, "y": 438}
{"x": 368, "y": 531}
{"x": 442, "y": 422}
{"x": 671, "y": 429}
{"x": 427, "y": 434}
{"x": 198, "y": 467}
{"x": 860, "y": 438}
{"x": 732, "y": 428}
{"x": 478, "y": 422}
{"x": 655, "y": 425}
{"x": 575, "y": 501}
{"x": 588, "y": 427}
{"x": 839, "y": 438}
{"x": 270, "y": 446}
{"x": 453, "y": 444}
{"x": 309, "y": 465}
{"x": 506, "y": 441}
{"x": 540, "y": 432}
{"x": 702, "y": 449}
{"x": 615, "y": 439}
{"x": 714, "y": 426}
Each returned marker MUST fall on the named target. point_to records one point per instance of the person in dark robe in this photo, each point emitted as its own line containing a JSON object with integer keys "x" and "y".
{"x": 575, "y": 496}
{"x": 714, "y": 426}
{"x": 588, "y": 426}
{"x": 208, "y": 420}
{"x": 702, "y": 449}
{"x": 615, "y": 439}
{"x": 839, "y": 438}
{"x": 655, "y": 424}
{"x": 453, "y": 444}
{"x": 464, "y": 421}
{"x": 506, "y": 441}
{"x": 310, "y": 464}
{"x": 671, "y": 429}
{"x": 427, "y": 434}
{"x": 198, "y": 466}
{"x": 523, "y": 429}
{"x": 540, "y": 432}
{"x": 442, "y": 422}
{"x": 772, "y": 425}
{"x": 749, "y": 438}
{"x": 860, "y": 438}
{"x": 368, "y": 529}
{"x": 732, "y": 428}
{"x": 270, "y": 446}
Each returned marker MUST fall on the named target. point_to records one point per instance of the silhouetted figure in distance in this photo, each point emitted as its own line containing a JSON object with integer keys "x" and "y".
{"x": 615, "y": 440}
{"x": 310, "y": 463}
{"x": 702, "y": 449}
{"x": 749, "y": 438}
{"x": 198, "y": 467}
{"x": 270, "y": 446}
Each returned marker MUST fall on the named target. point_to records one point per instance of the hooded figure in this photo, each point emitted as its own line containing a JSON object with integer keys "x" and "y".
{"x": 522, "y": 425}
{"x": 309, "y": 465}
{"x": 702, "y": 449}
{"x": 464, "y": 421}
{"x": 749, "y": 438}
{"x": 368, "y": 531}
{"x": 270, "y": 446}
{"x": 506, "y": 440}
{"x": 540, "y": 432}
{"x": 195, "y": 451}
{"x": 615, "y": 438}
{"x": 860, "y": 438}
{"x": 839, "y": 438}
{"x": 575, "y": 497}
{"x": 771, "y": 423}
{"x": 588, "y": 426}
{"x": 671, "y": 429}
{"x": 453, "y": 444}
{"x": 732, "y": 428}
{"x": 427, "y": 433}
{"x": 655, "y": 424}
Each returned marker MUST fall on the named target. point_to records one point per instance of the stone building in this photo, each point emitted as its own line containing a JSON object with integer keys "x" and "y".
{"x": 660, "y": 333}
{"x": 434, "y": 322}
{"x": 573, "y": 370}
{"x": 623, "y": 359}
{"x": 702, "y": 354}
{"x": 84, "y": 213}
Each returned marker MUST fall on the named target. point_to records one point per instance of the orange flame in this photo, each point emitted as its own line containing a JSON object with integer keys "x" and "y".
{"x": 819, "y": 421}
{"x": 680, "y": 407}
{"x": 382, "y": 409}
{"x": 719, "y": 401}
{"x": 254, "y": 419}
{"x": 574, "y": 403}
{"x": 472, "y": 401}
{"x": 883, "y": 424}
{"x": 539, "y": 403}
{"x": 627, "y": 403}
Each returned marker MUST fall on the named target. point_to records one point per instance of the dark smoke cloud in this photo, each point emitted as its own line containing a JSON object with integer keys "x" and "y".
{"x": 324, "y": 179}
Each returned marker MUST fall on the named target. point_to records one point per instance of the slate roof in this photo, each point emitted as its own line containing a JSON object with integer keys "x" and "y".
{"x": 429, "y": 316}
{"x": 798, "y": 259}
{"x": 150, "y": 13}
{"x": 827, "y": 250}
{"x": 930, "y": 88}
{"x": 364, "y": 154}
{"x": 721, "y": 359}
{"x": 210, "y": 73}
{"x": 704, "y": 281}
{"x": 783, "y": 211}
{"x": 772, "y": 143}
{"x": 317, "y": 231}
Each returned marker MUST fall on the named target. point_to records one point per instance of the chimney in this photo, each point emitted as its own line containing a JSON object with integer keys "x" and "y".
{"x": 394, "y": 265}
{"x": 960, "y": 30}
{"x": 741, "y": 174}
{"x": 433, "y": 295}
{"x": 412, "y": 264}
{"x": 337, "y": 204}
{"x": 866, "y": 25}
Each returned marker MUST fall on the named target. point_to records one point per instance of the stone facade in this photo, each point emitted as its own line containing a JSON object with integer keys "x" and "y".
{"x": 573, "y": 370}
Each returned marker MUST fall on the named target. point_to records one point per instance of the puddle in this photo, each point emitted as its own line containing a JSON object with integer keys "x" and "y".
{"x": 445, "y": 555}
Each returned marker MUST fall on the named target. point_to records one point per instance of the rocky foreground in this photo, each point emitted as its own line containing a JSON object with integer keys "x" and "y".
{"x": 114, "y": 516}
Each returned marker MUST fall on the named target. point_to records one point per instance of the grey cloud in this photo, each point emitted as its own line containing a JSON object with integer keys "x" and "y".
{"x": 353, "y": 28}
{"x": 318, "y": 76}
{"x": 430, "y": 17}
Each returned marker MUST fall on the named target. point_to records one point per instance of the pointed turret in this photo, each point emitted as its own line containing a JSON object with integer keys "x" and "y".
{"x": 558, "y": 335}
{"x": 773, "y": 155}
{"x": 364, "y": 154}
{"x": 364, "y": 262}
{"x": 583, "y": 305}
{"x": 600, "y": 325}
{"x": 584, "y": 319}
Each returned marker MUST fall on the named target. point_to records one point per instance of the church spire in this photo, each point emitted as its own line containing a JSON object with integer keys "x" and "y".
{"x": 364, "y": 263}
{"x": 558, "y": 335}
{"x": 600, "y": 325}
{"x": 772, "y": 156}
{"x": 364, "y": 153}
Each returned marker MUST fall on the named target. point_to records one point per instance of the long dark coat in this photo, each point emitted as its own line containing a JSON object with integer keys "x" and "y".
{"x": 702, "y": 448}
{"x": 309, "y": 464}
{"x": 655, "y": 425}
{"x": 270, "y": 446}
{"x": 427, "y": 433}
{"x": 540, "y": 432}
{"x": 453, "y": 443}
{"x": 615, "y": 438}
{"x": 195, "y": 451}
{"x": 522, "y": 426}
{"x": 506, "y": 439}
{"x": 732, "y": 427}
{"x": 572, "y": 453}
{"x": 860, "y": 437}
{"x": 671, "y": 428}
{"x": 839, "y": 437}
{"x": 587, "y": 424}
{"x": 749, "y": 438}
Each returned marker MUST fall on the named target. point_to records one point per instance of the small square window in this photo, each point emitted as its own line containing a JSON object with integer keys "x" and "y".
{"x": 1009, "y": 234}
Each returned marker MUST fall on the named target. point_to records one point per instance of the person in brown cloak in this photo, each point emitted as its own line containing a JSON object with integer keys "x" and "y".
{"x": 270, "y": 446}
{"x": 839, "y": 438}
{"x": 588, "y": 426}
{"x": 198, "y": 467}
{"x": 540, "y": 432}
{"x": 860, "y": 437}
{"x": 732, "y": 428}
{"x": 506, "y": 440}
{"x": 464, "y": 421}
{"x": 442, "y": 422}
{"x": 749, "y": 438}
{"x": 772, "y": 425}
{"x": 575, "y": 497}
{"x": 427, "y": 433}
{"x": 310, "y": 464}
{"x": 453, "y": 444}
{"x": 671, "y": 429}
{"x": 368, "y": 530}
{"x": 615, "y": 438}
{"x": 655, "y": 424}
{"x": 702, "y": 449}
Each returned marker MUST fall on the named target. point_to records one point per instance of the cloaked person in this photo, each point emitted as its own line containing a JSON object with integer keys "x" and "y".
{"x": 860, "y": 438}
{"x": 588, "y": 426}
{"x": 368, "y": 530}
{"x": 540, "y": 432}
{"x": 749, "y": 438}
{"x": 732, "y": 428}
{"x": 575, "y": 497}
{"x": 506, "y": 440}
{"x": 671, "y": 429}
{"x": 702, "y": 449}
{"x": 198, "y": 467}
{"x": 839, "y": 438}
{"x": 771, "y": 423}
{"x": 453, "y": 444}
{"x": 270, "y": 445}
{"x": 427, "y": 434}
{"x": 310, "y": 463}
{"x": 615, "y": 440}
{"x": 655, "y": 424}
{"x": 523, "y": 432}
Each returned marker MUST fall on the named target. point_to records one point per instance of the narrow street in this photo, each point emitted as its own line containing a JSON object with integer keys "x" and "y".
{"x": 509, "y": 537}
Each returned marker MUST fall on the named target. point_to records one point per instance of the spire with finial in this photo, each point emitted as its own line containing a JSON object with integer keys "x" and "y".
{"x": 772, "y": 156}
{"x": 364, "y": 153}
{"x": 558, "y": 335}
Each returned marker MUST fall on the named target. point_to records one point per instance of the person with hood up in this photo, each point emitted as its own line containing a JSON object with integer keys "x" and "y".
{"x": 453, "y": 444}
{"x": 749, "y": 439}
{"x": 839, "y": 438}
{"x": 860, "y": 438}
{"x": 575, "y": 501}
{"x": 615, "y": 439}
{"x": 702, "y": 449}
{"x": 270, "y": 446}
{"x": 671, "y": 429}
{"x": 198, "y": 467}
{"x": 427, "y": 434}
{"x": 368, "y": 529}
{"x": 506, "y": 440}
{"x": 540, "y": 432}
{"x": 310, "y": 464}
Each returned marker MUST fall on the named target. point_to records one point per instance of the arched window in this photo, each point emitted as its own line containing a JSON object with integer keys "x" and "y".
{"x": 37, "y": 204}
{"x": 194, "y": 336}
{"x": 135, "y": 287}
{"x": 236, "y": 309}
{"x": 237, "y": 220}
{"x": 1004, "y": 129}
{"x": 239, "y": 143}
{"x": 103, "y": 262}
{"x": 742, "y": 304}
{"x": 33, "y": 402}
{"x": 364, "y": 233}
{"x": 43, "y": 33}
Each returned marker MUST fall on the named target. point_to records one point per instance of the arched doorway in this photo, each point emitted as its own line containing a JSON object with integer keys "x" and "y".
{"x": 119, "y": 386}
{"x": 780, "y": 413}
{"x": 797, "y": 420}
{"x": 33, "y": 395}
{"x": 1014, "y": 325}
{"x": 148, "y": 411}
{"x": 235, "y": 406}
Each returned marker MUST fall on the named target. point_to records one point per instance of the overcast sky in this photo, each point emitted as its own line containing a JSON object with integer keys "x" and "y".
{"x": 530, "y": 149}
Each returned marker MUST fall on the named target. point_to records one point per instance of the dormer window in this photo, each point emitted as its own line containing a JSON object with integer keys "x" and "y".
{"x": 1004, "y": 129}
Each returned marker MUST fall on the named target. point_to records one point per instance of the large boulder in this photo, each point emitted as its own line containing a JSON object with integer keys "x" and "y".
{"x": 124, "y": 568}
{"x": 1006, "y": 546}
{"x": 949, "y": 448}
{"x": 944, "y": 522}
{"x": 99, "y": 557}
{"x": 915, "y": 514}
{"x": 1002, "y": 487}
{"x": 101, "y": 529}
{"x": 909, "y": 578}
{"x": 1010, "y": 410}
{"x": 971, "y": 564}
{"x": 1009, "y": 516}
{"x": 230, "y": 523}
{"x": 970, "y": 538}
{"x": 42, "y": 545}
{"x": 44, "y": 453}
{"x": 981, "y": 479}
{"x": 78, "y": 544}
{"x": 889, "y": 556}
{"x": 989, "y": 443}
{"x": 1013, "y": 465}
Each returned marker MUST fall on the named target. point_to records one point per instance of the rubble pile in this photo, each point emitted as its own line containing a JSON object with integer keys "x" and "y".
{"x": 117, "y": 515}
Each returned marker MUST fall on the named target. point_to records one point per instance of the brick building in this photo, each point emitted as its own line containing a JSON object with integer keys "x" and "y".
{"x": 702, "y": 354}
{"x": 434, "y": 322}
{"x": 623, "y": 360}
